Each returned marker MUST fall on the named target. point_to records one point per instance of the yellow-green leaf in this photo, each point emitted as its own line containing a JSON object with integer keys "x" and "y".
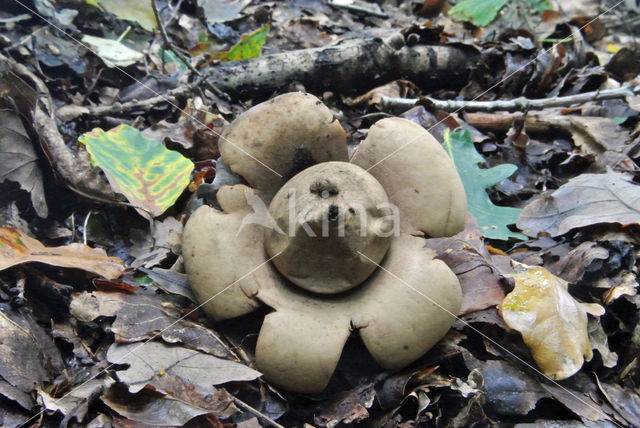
{"x": 149, "y": 175}
{"x": 249, "y": 47}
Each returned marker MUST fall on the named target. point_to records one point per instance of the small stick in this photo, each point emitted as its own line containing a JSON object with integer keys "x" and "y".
{"x": 169, "y": 44}
{"x": 264, "y": 418}
{"x": 517, "y": 104}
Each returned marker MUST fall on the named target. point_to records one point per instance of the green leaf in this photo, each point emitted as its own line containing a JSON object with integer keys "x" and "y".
{"x": 478, "y": 12}
{"x": 540, "y": 6}
{"x": 149, "y": 175}
{"x": 493, "y": 219}
{"x": 249, "y": 47}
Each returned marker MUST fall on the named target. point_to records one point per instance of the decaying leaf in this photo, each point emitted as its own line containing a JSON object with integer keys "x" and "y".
{"x": 149, "y": 175}
{"x": 17, "y": 248}
{"x": 155, "y": 360}
{"x": 130, "y": 10}
{"x": 509, "y": 391}
{"x": 467, "y": 256}
{"x": 150, "y": 408}
{"x": 113, "y": 52}
{"x": 19, "y": 160}
{"x": 28, "y": 356}
{"x": 585, "y": 200}
{"x": 493, "y": 219}
{"x": 216, "y": 11}
{"x": 350, "y": 407}
{"x": 76, "y": 402}
{"x": 140, "y": 317}
{"x": 150, "y": 249}
{"x": 552, "y": 323}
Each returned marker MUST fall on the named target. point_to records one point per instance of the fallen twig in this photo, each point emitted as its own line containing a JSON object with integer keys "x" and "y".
{"x": 71, "y": 111}
{"x": 185, "y": 60}
{"x": 261, "y": 416}
{"x": 517, "y": 104}
{"x": 351, "y": 66}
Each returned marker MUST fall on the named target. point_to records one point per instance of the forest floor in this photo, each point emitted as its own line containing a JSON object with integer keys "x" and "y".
{"x": 537, "y": 105}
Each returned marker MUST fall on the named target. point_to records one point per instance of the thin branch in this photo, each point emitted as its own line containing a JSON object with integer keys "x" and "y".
{"x": 187, "y": 62}
{"x": 67, "y": 113}
{"x": 261, "y": 416}
{"x": 517, "y": 104}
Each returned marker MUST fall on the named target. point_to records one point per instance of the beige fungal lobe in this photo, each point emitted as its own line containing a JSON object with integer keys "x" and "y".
{"x": 273, "y": 141}
{"x": 418, "y": 176}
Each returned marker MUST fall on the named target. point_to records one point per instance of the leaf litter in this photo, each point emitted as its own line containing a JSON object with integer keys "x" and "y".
{"x": 570, "y": 188}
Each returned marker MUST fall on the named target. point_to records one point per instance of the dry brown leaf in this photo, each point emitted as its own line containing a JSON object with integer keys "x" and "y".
{"x": 585, "y": 200}
{"x": 478, "y": 271}
{"x": 18, "y": 248}
{"x": 552, "y": 323}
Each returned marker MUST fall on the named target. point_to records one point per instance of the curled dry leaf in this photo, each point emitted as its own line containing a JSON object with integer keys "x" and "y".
{"x": 552, "y": 323}
{"x": 585, "y": 200}
{"x": 17, "y": 248}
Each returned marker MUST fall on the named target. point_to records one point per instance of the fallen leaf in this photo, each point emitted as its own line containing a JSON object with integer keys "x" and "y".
{"x": 216, "y": 11}
{"x": 170, "y": 281}
{"x": 249, "y": 46}
{"x": 149, "y": 175}
{"x": 624, "y": 400}
{"x": 585, "y": 200}
{"x": 17, "y": 248}
{"x": 28, "y": 356}
{"x": 508, "y": 390}
{"x": 599, "y": 341}
{"x": 151, "y": 249}
{"x": 478, "y": 12}
{"x": 141, "y": 317}
{"x": 467, "y": 256}
{"x": 150, "y": 408}
{"x": 580, "y": 395}
{"x": 628, "y": 286}
{"x": 76, "y": 402}
{"x": 112, "y": 52}
{"x": 573, "y": 266}
{"x": 153, "y": 360}
{"x": 595, "y": 135}
{"x": 350, "y": 407}
{"x": 492, "y": 219}
{"x": 197, "y": 130}
{"x": 552, "y": 323}
{"x": 19, "y": 160}
{"x": 130, "y": 10}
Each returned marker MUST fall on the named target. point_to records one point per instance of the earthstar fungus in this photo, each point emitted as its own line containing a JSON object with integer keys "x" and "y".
{"x": 345, "y": 256}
